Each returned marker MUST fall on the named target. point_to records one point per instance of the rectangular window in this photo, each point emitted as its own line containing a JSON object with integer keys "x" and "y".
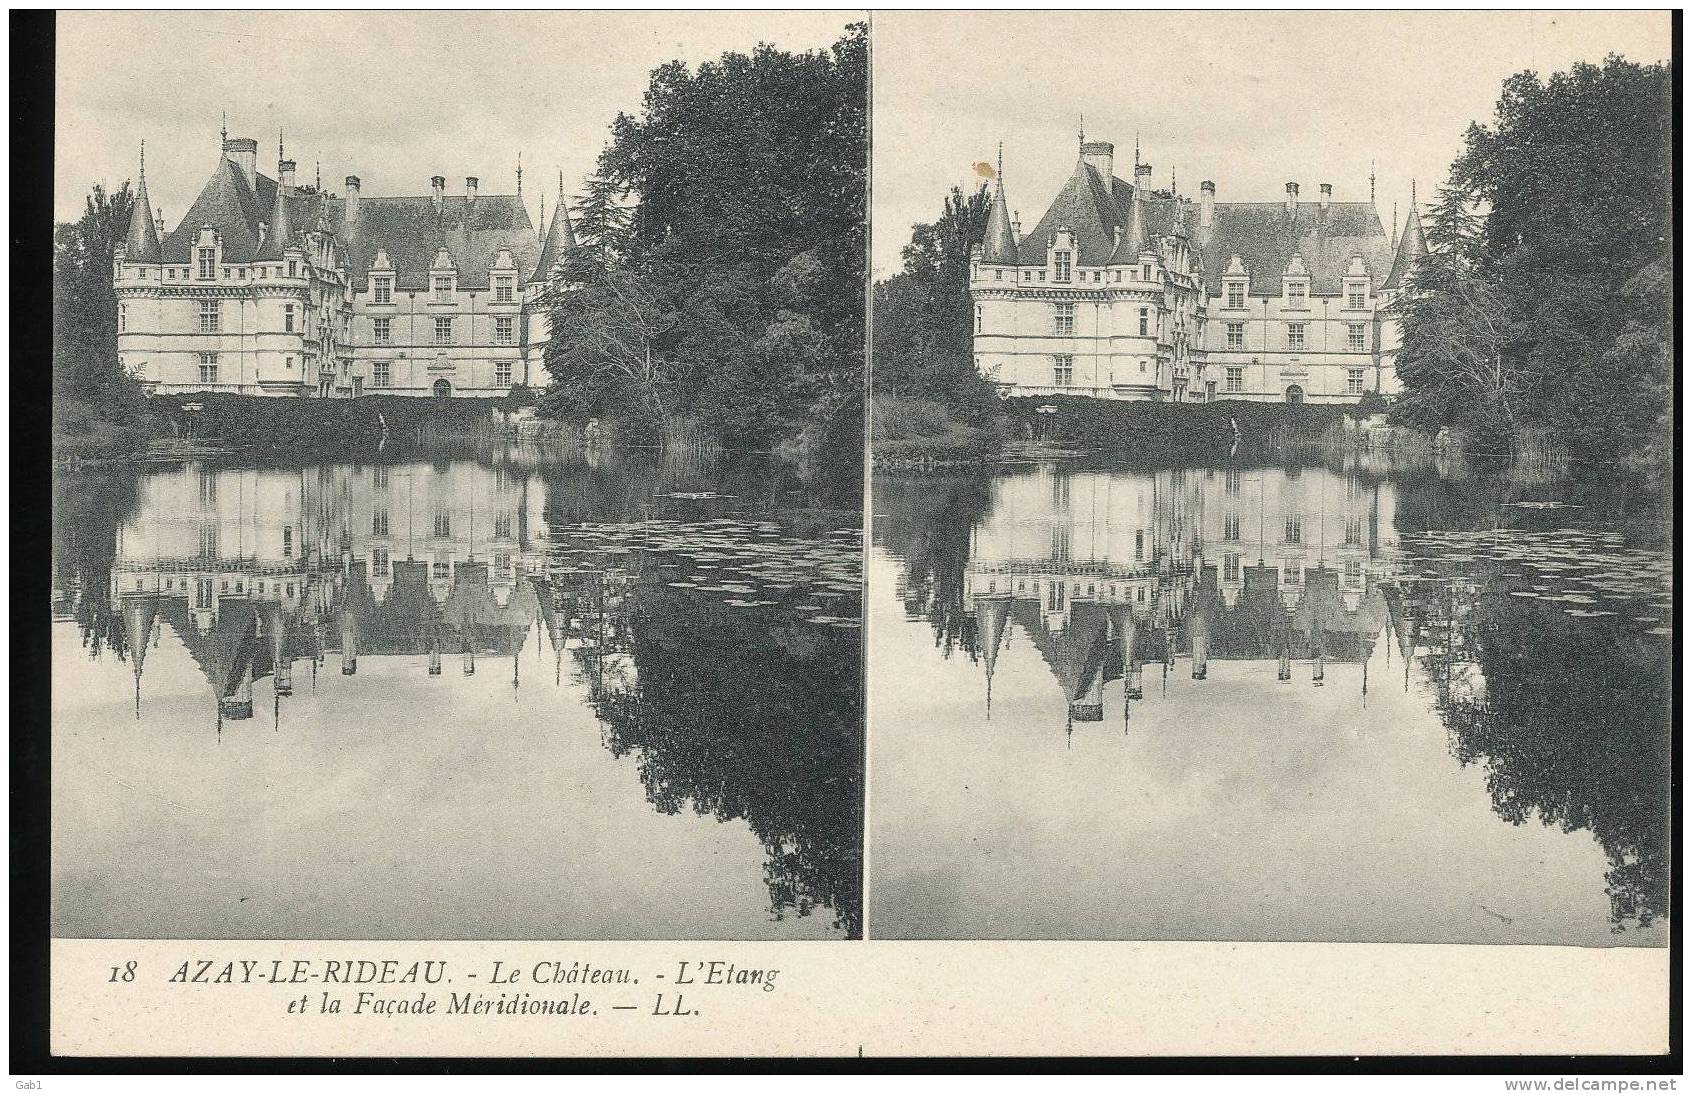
{"x": 1354, "y": 381}
{"x": 503, "y": 290}
{"x": 1354, "y": 294}
{"x": 208, "y": 264}
{"x": 502, "y": 526}
{"x": 1236, "y": 336}
{"x": 379, "y": 478}
{"x": 978, "y": 319}
{"x": 1236, "y": 378}
{"x": 381, "y": 375}
{"x": 208, "y": 539}
{"x": 1353, "y": 531}
{"x": 288, "y": 364}
{"x": 443, "y": 288}
{"x": 1354, "y": 336}
{"x": 1063, "y": 318}
{"x": 1295, "y": 335}
{"x": 502, "y": 565}
{"x": 1116, "y": 276}
{"x": 504, "y": 330}
{"x": 208, "y": 368}
{"x": 998, "y": 275}
{"x": 1028, "y": 275}
{"x": 1231, "y": 526}
{"x": 1145, "y": 273}
{"x": 1145, "y": 321}
{"x": 383, "y": 330}
{"x": 1236, "y": 294}
{"x": 288, "y": 318}
{"x": 502, "y": 373}
{"x": 443, "y": 330}
{"x": 379, "y": 521}
{"x": 1060, "y": 265}
{"x": 1295, "y": 294}
{"x": 1293, "y": 530}
{"x": 1230, "y": 568}
{"x": 211, "y": 316}
{"x": 379, "y": 562}
{"x": 293, "y": 268}
{"x": 1063, "y": 369}
{"x": 288, "y": 541}
{"x": 442, "y": 522}
{"x": 384, "y": 290}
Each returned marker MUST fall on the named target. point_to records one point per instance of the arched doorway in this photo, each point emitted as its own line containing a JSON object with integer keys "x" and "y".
{"x": 443, "y": 390}
{"x": 1295, "y": 394}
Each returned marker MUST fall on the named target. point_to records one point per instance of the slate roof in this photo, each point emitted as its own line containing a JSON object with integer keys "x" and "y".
{"x": 1261, "y": 233}
{"x": 560, "y": 240}
{"x": 141, "y": 243}
{"x": 1412, "y": 245}
{"x": 1000, "y": 243}
{"x": 1266, "y": 239}
{"x": 410, "y": 229}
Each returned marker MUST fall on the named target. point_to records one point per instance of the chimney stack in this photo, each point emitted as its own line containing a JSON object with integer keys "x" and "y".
{"x": 1016, "y": 227}
{"x": 1207, "y": 205}
{"x": 1327, "y": 189}
{"x": 438, "y": 185}
{"x": 470, "y": 184}
{"x": 1292, "y": 199}
{"x": 1142, "y": 177}
{"x": 285, "y": 173}
{"x": 1101, "y": 156}
{"x": 244, "y": 152}
{"x": 160, "y": 222}
{"x": 352, "y": 199}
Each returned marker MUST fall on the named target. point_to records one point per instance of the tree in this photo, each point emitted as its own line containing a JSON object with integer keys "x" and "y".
{"x": 736, "y": 201}
{"x": 1571, "y": 189}
{"x": 924, "y": 328}
{"x": 85, "y": 361}
{"x": 603, "y": 355}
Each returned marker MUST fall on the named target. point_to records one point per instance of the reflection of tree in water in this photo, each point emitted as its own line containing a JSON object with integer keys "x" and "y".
{"x": 926, "y": 523}
{"x": 1570, "y": 724}
{"x": 87, "y": 510}
{"x": 749, "y": 717}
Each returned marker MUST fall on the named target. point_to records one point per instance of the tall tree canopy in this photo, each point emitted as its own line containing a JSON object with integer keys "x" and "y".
{"x": 85, "y": 362}
{"x": 923, "y": 325}
{"x": 1551, "y": 253}
{"x": 733, "y": 207}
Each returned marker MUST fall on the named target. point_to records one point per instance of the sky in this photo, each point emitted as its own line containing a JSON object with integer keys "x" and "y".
{"x": 394, "y": 98}
{"x": 1250, "y": 100}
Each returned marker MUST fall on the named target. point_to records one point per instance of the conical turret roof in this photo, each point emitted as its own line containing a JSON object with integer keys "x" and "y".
{"x": 280, "y": 231}
{"x": 1412, "y": 245}
{"x": 1000, "y": 242}
{"x": 560, "y": 237}
{"x": 141, "y": 243}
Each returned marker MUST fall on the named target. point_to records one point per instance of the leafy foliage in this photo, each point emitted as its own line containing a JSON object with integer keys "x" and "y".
{"x": 1543, "y": 303}
{"x": 721, "y": 266}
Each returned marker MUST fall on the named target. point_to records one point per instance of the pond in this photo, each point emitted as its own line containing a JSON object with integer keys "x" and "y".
{"x": 1312, "y": 699}
{"x": 491, "y": 696}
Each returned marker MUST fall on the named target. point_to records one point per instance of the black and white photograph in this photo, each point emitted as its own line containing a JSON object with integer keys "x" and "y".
{"x": 1274, "y": 468}
{"x": 458, "y": 431}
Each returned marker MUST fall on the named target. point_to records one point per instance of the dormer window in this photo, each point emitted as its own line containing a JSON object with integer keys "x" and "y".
{"x": 1296, "y": 294}
{"x": 443, "y": 287}
{"x": 208, "y": 264}
{"x": 1355, "y": 294}
{"x": 1060, "y": 265}
{"x": 504, "y": 288}
{"x": 293, "y": 268}
{"x": 1145, "y": 271}
{"x": 383, "y": 287}
{"x": 1236, "y": 294}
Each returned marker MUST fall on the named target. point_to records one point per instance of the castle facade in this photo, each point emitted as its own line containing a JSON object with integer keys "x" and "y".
{"x": 270, "y": 287}
{"x": 1125, "y": 291}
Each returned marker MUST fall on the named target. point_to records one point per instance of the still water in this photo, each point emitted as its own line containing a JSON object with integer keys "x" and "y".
{"x": 486, "y": 697}
{"x": 1324, "y": 702}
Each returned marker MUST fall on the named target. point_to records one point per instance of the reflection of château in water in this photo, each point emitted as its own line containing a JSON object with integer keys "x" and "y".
{"x": 1108, "y": 572}
{"x": 257, "y": 571}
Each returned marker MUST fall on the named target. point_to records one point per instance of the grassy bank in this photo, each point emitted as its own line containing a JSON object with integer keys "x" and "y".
{"x": 908, "y": 429}
{"x": 319, "y": 426}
